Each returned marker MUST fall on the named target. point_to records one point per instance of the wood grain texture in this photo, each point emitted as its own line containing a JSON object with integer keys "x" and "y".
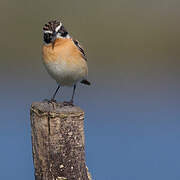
{"x": 58, "y": 142}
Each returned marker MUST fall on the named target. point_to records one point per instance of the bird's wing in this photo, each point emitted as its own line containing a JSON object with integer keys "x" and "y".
{"x": 76, "y": 42}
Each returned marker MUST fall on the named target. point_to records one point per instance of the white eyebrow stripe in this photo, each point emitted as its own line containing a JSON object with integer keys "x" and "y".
{"x": 48, "y": 32}
{"x": 58, "y": 27}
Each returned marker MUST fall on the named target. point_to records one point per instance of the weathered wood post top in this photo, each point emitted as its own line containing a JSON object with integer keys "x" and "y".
{"x": 58, "y": 142}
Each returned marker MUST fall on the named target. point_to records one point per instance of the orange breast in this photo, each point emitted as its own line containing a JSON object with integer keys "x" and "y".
{"x": 64, "y": 49}
{"x": 64, "y": 62}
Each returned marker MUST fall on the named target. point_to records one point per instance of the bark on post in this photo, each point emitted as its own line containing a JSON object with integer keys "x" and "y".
{"x": 58, "y": 142}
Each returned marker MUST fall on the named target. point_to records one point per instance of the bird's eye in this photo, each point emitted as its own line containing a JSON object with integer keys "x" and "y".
{"x": 63, "y": 31}
{"x": 47, "y": 37}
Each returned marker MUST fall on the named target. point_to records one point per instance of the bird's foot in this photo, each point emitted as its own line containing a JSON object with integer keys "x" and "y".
{"x": 50, "y": 101}
{"x": 68, "y": 103}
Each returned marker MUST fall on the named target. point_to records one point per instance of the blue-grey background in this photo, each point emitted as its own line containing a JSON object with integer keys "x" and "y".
{"x": 132, "y": 123}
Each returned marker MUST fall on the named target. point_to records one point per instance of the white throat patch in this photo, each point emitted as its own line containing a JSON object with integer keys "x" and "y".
{"x": 67, "y": 36}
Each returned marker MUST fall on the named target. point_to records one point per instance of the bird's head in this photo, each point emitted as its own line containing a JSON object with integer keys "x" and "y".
{"x": 53, "y": 30}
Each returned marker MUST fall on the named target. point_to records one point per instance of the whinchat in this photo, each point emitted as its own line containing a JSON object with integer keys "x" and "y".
{"x": 63, "y": 57}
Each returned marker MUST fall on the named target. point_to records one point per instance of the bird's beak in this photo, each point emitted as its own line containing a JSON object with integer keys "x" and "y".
{"x": 54, "y": 39}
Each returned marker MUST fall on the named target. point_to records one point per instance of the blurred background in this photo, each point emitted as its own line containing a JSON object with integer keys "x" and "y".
{"x": 132, "y": 108}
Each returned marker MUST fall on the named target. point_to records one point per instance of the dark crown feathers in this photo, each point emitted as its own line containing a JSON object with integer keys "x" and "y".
{"x": 51, "y": 25}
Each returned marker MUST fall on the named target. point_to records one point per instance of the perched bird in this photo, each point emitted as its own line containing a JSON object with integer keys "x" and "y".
{"x": 63, "y": 57}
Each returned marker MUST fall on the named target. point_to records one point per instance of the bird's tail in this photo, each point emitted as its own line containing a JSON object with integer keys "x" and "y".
{"x": 86, "y": 82}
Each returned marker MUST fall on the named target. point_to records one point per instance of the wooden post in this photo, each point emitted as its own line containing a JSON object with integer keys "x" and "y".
{"x": 58, "y": 142}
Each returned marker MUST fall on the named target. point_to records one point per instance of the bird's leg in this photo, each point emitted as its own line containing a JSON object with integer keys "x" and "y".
{"x": 53, "y": 98}
{"x": 72, "y": 99}
{"x": 54, "y": 95}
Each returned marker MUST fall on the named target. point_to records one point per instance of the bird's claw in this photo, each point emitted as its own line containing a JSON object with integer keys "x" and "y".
{"x": 68, "y": 103}
{"x": 50, "y": 101}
